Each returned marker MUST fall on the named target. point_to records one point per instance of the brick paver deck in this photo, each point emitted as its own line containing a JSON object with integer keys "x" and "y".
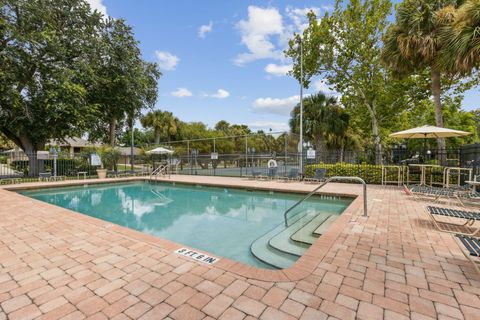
{"x": 58, "y": 264}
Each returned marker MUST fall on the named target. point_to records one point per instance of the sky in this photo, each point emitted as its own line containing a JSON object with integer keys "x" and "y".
{"x": 223, "y": 60}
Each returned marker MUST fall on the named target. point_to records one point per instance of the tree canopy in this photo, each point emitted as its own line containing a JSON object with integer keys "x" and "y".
{"x": 47, "y": 57}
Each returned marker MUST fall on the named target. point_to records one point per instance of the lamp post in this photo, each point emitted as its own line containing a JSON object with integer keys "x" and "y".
{"x": 301, "y": 106}
{"x": 252, "y": 152}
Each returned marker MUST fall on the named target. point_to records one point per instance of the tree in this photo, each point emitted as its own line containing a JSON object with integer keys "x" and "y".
{"x": 345, "y": 49}
{"x": 325, "y": 122}
{"x": 125, "y": 83}
{"x": 142, "y": 138}
{"x": 460, "y": 36}
{"x": 414, "y": 44}
{"x": 153, "y": 120}
{"x": 46, "y": 52}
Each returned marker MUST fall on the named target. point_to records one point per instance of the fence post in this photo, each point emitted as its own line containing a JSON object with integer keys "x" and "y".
{"x": 246, "y": 153}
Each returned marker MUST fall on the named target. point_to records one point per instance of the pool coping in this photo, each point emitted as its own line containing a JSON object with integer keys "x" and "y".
{"x": 302, "y": 268}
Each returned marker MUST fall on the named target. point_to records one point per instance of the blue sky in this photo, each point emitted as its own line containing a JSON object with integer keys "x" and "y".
{"x": 222, "y": 60}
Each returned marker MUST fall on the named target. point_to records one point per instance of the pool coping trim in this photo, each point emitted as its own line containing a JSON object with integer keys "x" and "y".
{"x": 302, "y": 268}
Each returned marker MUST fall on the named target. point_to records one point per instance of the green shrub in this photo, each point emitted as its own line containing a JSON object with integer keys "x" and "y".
{"x": 368, "y": 172}
{"x": 373, "y": 173}
{"x": 3, "y": 159}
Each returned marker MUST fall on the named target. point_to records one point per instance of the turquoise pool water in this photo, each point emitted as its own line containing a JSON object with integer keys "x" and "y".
{"x": 222, "y": 221}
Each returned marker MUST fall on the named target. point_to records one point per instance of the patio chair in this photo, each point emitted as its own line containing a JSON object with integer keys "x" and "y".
{"x": 256, "y": 173}
{"x": 319, "y": 176}
{"x": 272, "y": 173}
{"x": 469, "y": 217}
{"x": 470, "y": 247}
{"x": 292, "y": 175}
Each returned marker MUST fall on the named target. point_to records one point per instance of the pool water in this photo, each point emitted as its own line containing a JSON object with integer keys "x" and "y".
{"x": 222, "y": 221}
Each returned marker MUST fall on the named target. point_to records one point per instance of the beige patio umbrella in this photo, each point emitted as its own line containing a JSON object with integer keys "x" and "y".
{"x": 160, "y": 150}
{"x": 427, "y": 131}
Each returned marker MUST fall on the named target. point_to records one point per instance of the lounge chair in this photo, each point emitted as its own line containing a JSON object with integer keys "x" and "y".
{"x": 44, "y": 176}
{"x": 423, "y": 192}
{"x": 319, "y": 176}
{"x": 113, "y": 174}
{"x": 11, "y": 178}
{"x": 469, "y": 217}
{"x": 470, "y": 247}
{"x": 292, "y": 175}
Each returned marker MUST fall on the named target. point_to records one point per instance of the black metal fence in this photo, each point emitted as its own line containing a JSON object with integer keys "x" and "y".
{"x": 19, "y": 167}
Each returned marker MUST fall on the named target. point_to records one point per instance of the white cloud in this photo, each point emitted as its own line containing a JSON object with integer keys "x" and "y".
{"x": 278, "y": 70}
{"x": 203, "y": 30}
{"x": 98, "y": 5}
{"x": 299, "y": 16}
{"x": 267, "y": 125}
{"x": 181, "y": 92}
{"x": 166, "y": 60}
{"x": 221, "y": 94}
{"x": 278, "y": 106}
{"x": 266, "y": 32}
{"x": 256, "y": 33}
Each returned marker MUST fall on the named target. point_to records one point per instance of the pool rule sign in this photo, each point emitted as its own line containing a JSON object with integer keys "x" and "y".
{"x": 198, "y": 256}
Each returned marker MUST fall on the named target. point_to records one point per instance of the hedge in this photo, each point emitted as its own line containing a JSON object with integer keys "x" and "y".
{"x": 371, "y": 173}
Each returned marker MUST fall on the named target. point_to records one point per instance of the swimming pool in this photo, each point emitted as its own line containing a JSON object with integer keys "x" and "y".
{"x": 223, "y": 221}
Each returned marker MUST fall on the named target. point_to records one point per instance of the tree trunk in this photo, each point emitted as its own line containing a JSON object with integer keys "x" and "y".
{"x": 321, "y": 147}
{"x": 157, "y": 136}
{"x": 436, "y": 92}
{"x": 35, "y": 166}
{"x": 376, "y": 135}
{"x": 112, "y": 131}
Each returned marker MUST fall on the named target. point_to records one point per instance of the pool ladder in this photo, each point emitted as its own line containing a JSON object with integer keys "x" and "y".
{"x": 338, "y": 178}
{"x": 161, "y": 170}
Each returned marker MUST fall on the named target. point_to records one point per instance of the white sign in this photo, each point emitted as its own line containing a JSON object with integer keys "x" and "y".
{"x": 42, "y": 155}
{"x": 197, "y": 256}
{"x": 95, "y": 160}
{"x": 310, "y": 154}
{"x": 214, "y": 156}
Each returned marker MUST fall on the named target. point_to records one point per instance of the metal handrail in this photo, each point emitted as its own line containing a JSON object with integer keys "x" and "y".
{"x": 158, "y": 170}
{"x": 324, "y": 183}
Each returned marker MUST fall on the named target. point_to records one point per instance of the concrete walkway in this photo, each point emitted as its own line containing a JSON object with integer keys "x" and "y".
{"x": 58, "y": 264}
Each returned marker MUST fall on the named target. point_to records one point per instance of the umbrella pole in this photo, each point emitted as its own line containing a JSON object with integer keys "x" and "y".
{"x": 424, "y": 148}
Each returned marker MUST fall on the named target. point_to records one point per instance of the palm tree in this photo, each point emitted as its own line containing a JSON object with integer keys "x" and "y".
{"x": 413, "y": 44}
{"x": 325, "y": 122}
{"x": 162, "y": 122}
{"x": 154, "y": 120}
{"x": 461, "y": 37}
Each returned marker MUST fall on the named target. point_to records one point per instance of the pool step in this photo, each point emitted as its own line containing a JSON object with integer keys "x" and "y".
{"x": 324, "y": 226}
{"x": 284, "y": 243}
{"x": 305, "y": 234}
{"x": 262, "y": 250}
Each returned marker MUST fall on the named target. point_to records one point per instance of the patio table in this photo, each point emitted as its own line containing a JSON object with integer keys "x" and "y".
{"x": 84, "y": 174}
{"x": 474, "y": 184}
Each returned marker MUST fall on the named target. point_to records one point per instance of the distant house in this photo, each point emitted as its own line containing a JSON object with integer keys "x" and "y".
{"x": 126, "y": 153}
{"x": 73, "y": 145}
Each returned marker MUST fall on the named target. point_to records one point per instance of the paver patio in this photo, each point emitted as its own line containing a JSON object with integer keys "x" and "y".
{"x": 58, "y": 264}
